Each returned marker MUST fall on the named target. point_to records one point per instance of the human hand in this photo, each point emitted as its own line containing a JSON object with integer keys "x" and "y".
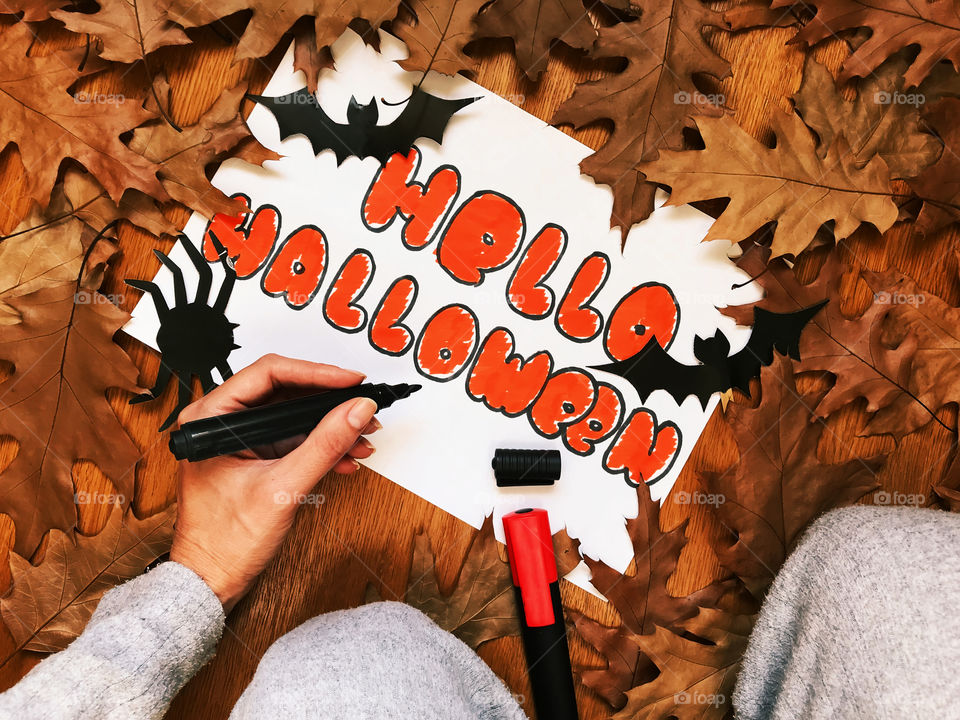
{"x": 235, "y": 510}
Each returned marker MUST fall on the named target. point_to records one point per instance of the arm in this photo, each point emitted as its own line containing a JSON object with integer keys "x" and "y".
{"x": 145, "y": 640}
{"x": 149, "y": 636}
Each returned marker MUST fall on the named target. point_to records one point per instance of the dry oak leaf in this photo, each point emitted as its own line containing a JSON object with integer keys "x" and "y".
{"x": 438, "y": 33}
{"x": 779, "y": 485}
{"x": 50, "y": 603}
{"x": 650, "y": 102}
{"x": 697, "y": 674}
{"x": 894, "y": 24}
{"x": 849, "y": 348}
{"x": 642, "y": 600}
{"x": 874, "y": 123}
{"x": 947, "y": 489}
{"x": 93, "y": 206}
{"x": 271, "y": 20}
{"x": 481, "y": 605}
{"x": 533, "y": 25}
{"x": 54, "y": 403}
{"x": 48, "y": 125}
{"x": 33, "y": 10}
{"x": 45, "y": 249}
{"x": 934, "y": 379}
{"x": 790, "y": 184}
{"x": 183, "y": 156}
{"x": 939, "y": 185}
{"x": 128, "y": 29}
{"x": 308, "y": 58}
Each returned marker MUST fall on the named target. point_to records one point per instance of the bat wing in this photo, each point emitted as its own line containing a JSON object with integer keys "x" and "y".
{"x": 652, "y": 368}
{"x": 425, "y": 116}
{"x": 299, "y": 113}
{"x": 771, "y": 331}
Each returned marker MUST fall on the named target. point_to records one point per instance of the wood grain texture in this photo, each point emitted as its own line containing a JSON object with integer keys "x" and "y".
{"x": 363, "y": 531}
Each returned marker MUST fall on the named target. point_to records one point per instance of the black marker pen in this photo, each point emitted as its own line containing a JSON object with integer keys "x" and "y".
{"x": 230, "y": 433}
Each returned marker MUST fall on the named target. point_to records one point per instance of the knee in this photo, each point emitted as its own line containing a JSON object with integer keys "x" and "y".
{"x": 873, "y": 539}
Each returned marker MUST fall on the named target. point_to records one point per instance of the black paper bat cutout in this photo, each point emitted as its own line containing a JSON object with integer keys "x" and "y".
{"x": 425, "y": 116}
{"x": 653, "y": 369}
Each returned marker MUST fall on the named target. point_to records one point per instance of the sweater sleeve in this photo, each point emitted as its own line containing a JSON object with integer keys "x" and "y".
{"x": 144, "y": 642}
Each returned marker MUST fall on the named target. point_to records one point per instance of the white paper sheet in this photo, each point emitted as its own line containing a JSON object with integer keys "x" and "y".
{"x": 439, "y": 443}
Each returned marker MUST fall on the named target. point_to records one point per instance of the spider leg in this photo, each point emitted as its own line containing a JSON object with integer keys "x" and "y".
{"x": 223, "y": 297}
{"x": 203, "y": 269}
{"x": 184, "y": 396}
{"x": 179, "y": 289}
{"x": 206, "y": 382}
{"x": 224, "y": 369}
{"x": 159, "y": 302}
{"x": 163, "y": 377}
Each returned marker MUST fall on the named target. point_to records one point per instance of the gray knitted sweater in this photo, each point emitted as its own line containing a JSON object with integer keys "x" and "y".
{"x": 149, "y": 636}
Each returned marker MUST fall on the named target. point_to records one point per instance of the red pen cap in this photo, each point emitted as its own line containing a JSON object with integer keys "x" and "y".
{"x": 532, "y": 563}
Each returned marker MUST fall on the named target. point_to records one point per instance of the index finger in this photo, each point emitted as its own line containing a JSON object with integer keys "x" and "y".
{"x": 258, "y": 381}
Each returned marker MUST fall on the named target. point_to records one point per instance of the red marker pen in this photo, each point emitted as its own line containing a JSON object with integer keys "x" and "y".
{"x": 534, "y": 570}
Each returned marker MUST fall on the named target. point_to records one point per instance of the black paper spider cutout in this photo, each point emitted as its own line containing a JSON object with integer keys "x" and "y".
{"x": 194, "y": 337}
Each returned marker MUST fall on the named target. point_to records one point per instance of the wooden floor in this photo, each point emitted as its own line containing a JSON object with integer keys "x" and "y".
{"x": 365, "y": 529}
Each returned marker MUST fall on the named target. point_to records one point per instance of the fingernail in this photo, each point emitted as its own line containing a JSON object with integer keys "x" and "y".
{"x": 361, "y": 413}
{"x": 368, "y": 445}
{"x": 374, "y": 426}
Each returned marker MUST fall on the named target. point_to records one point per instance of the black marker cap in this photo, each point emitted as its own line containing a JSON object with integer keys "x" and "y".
{"x": 515, "y": 468}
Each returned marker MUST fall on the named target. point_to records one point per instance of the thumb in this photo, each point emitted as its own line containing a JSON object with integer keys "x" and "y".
{"x": 328, "y": 442}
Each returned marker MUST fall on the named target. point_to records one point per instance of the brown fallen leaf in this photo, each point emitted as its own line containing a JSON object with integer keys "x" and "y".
{"x": 533, "y": 25}
{"x": 50, "y": 603}
{"x": 54, "y": 403}
{"x": 271, "y": 20}
{"x": 851, "y": 349}
{"x": 44, "y": 250}
{"x": 779, "y": 485}
{"x": 790, "y": 184}
{"x": 650, "y": 101}
{"x": 91, "y": 204}
{"x": 308, "y": 58}
{"x": 642, "y": 600}
{"x": 33, "y": 10}
{"x": 697, "y": 671}
{"x": 934, "y": 27}
{"x": 759, "y": 14}
{"x": 128, "y": 29}
{"x": 481, "y": 605}
{"x": 48, "y": 125}
{"x": 934, "y": 378}
{"x": 183, "y": 156}
{"x": 881, "y": 120}
{"x": 938, "y": 186}
{"x": 437, "y": 35}
{"x": 947, "y": 490}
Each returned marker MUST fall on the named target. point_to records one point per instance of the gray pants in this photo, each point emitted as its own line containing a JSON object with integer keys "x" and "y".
{"x": 863, "y": 621}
